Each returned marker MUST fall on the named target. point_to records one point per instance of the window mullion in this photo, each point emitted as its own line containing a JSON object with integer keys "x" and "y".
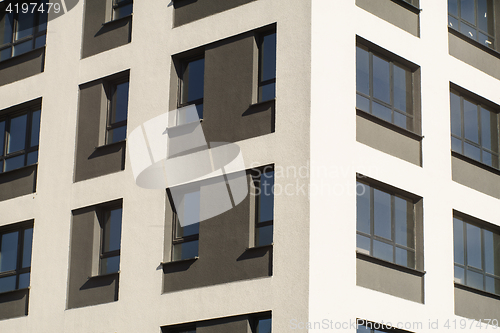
{"x": 370, "y": 79}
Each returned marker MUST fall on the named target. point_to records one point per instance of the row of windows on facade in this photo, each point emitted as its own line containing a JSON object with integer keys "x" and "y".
{"x": 386, "y": 228}
{"x": 15, "y": 240}
{"x": 385, "y": 89}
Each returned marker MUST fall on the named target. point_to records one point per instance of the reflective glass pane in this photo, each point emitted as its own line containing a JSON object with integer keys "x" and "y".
{"x": 191, "y": 211}
{"x": 405, "y": 257}
{"x": 25, "y": 24}
{"x": 267, "y": 92}
{"x": 27, "y": 243}
{"x": 264, "y": 326}
{"x": 381, "y": 79}
{"x": 192, "y": 229}
{"x": 402, "y": 121}
{"x": 266, "y": 197}
{"x": 487, "y": 158}
{"x": 264, "y": 235}
{"x": 193, "y": 80}
{"x": 112, "y": 230}
{"x": 32, "y": 158}
{"x": 471, "y": 121}
{"x": 485, "y": 40}
{"x": 456, "y": 119}
{"x": 110, "y": 265}
{"x": 199, "y": 110}
{"x": 6, "y": 53}
{"x": 472, "y": 151}
{"x": 485, "y": 16}
{"x": 453, "y": 22}
{"x": 491, "y": 252}
{"x": 405, "y": 230}
{"x": 2, "y": 136}
{"x": 453, "y": 7}
{"x": 6, "y": 24}
{"x": 120, "y": 100}
{"x": 475, "y": 280}
{"x": 35, "y": 128}
{"x": 362, "y": 71}
{"x": 24, "y": 280}
{"x": 363, "y": 208}
{"x": 489, "y": 130}
{"x": 40, "y": 41}
{"x": 467, "y": 11}
{"x": 42, "y": 20}
{"x": 122, "y": 11}
{"x": 17, "y": 135}
{"x": 459, "y": 275}
{"x": 268, "y": 60}
{"x": 381, "y": 111}
{"x": 363, "y": 329}
{"x": 492, "y": 285}
{"x": 458, "y": 241}
{"x": 14, "y": 163}
{"x": 402, "y": 88}
{"x": 456, "y": 145}
{"x": 185, "y": 250}
{"x": 117, "y": 134}
{"x": 362, "y": 103}
{"x": 473, "y": 246}
{"x": 467, "y": 30}
{"x": 363, "y": 244}
{"x": 382, "y": 213}
{"x": 1, "y": 166}
{"x": 7, "y": 283}
{"x": 383, "y": 250}
{"x": 8, "y": 251}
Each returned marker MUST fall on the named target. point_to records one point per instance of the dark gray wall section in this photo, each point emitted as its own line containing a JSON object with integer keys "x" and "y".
{"x": 22, "y": 67}
{"x": 14, "y": 304}
{"x": 389, "y": 280}
{"x": 475, "y": 177}
{"x": 463, "y": 50}
{"x": 224, "y": 325}
{"x": 473, "y": 305}
{"x": 377, "y": 136}
{"x": 99, "y": 37}
{"x": 393, "y": 13}
{"x": 18, "y": 182}
{"x": 223, "y": 254}
{"x": 83, "y": 291}
{"x": 186, "y": 11}
{"x": 229, "y": 71}
{"x": 91, "y": 161}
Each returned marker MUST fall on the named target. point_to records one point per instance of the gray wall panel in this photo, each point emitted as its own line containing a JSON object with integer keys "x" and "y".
{"x": 475, "y": 177}
{"x": 22, "y": 67}
{"x": 186, "y": 11}
{"x": 18, "y": 182}
{"x": 14, "y": 304}
{"x": 224, "y": 325}
{"x": 472, "y": 305}
{"x": 392, "y": 13}
{"x": 97, "y": 37}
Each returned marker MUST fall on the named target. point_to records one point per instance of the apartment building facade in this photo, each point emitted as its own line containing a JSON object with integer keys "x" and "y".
{"x": 367, "y": 137}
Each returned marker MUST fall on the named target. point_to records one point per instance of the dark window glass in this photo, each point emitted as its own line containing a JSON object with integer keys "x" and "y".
{"x": 17, "y": 134}
{"x": 2, "y": 138}
{"x": 111, "y": 240}
{"x": 474, "y": 130}
{"x": 192, "y": 87}
{"x": 118, "y": 110}
{"x": 267, "y": 67}
{"x": 477, "y": 256}
{"x": 384, "y": 88}
{"x": 385, "y": 225}
{"x": 473, "y": 18}
{"x": 265, "y": 208}
{"x": 15, "y": 258}
{"x": 264, "y": 325}
{"x": 186, "y": 227}
{"x": 122, "y": 8}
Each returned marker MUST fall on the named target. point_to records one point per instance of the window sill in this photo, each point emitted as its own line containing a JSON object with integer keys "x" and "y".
{"x": 389, "y": 264}
{"x": 103, "y": 275}
{"x": 117, "y": 143}
{"x": 384, "y": 123}
{"x": 260, "y": 247}
{"x": 269, "y": 101}
{"x": 118, "y": 20}
{"x": 476, "y": 291}
{"x": 473, "y": 42}
{"x": 6, "y": 61}
{"x": 408, "y": 6}
{"x": 193, "y": 259}
{"x": 475, "y": 162}
{"x": 4, "y": 293}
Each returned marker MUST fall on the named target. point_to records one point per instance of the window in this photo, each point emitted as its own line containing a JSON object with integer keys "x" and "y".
{"x": 385, "y": 224}
{"x": 15, "y": 256}
{"x": 19, "y": 136}
{"x": 267, "y": 67}
{"x": 191, "y": 90}
{"x": 21, "y": 32}
{"x": 384, "y": 88}
{"x": 473, "y": 18}
{"x": 264, "y": 207}
{"x": 262, "y": 324}
{"x": 111, "y": 231}
{"x": 364, "y": 326}
{"x": 186, "y": 227}
{"x": 117, "y": 112}
{"x": 122, "y": 8}
{"x": 477, "y": 255}
{"x": 474, "y": 129}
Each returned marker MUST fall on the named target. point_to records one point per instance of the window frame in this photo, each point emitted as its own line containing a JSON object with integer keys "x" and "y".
{"x": 101, "y": 215}
{"x": 7, "y": 117}
{"x": 256, "y": 175}
{"x": 111, "y": 93}
{"x": 116, "y": 5}
{"x": 483, "y": 226}
{"x": 20, "y": 228}
{"x": 33, "y": 37}
{"x": 480, "y": 103}
{"x": 261, "y": 83}
{"x": 475, "y": 26}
